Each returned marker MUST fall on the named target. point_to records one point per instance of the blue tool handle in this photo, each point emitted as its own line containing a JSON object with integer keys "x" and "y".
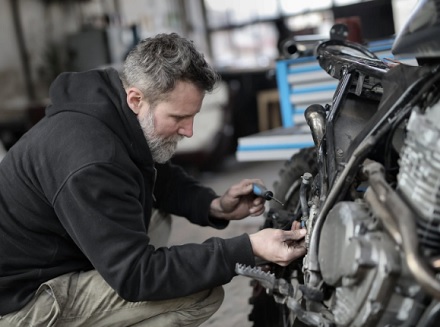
{"x": 260, "y": 190}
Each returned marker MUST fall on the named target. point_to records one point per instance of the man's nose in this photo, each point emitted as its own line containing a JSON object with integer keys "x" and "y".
{"x": 186, "y": 128}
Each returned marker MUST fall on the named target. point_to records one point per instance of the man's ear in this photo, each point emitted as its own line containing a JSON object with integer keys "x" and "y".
{"x": 134, "y": 99}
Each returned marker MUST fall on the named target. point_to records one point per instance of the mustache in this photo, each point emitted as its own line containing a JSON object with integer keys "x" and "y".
{"x": 173, "y": 139}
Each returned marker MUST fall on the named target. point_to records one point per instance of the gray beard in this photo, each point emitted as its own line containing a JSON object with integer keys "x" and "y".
{"x": 162, "y": 149}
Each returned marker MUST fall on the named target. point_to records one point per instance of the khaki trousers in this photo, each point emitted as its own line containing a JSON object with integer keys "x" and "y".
{"x": 85, "y": 299}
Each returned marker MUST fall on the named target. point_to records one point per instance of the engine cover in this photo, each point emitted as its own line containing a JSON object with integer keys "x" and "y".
{"x": 363, "y": 266}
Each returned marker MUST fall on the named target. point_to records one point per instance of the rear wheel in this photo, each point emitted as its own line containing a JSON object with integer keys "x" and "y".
{"x": 266, "y": 312}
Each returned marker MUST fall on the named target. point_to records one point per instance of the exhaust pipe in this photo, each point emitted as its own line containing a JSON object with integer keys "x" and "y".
{"x": 315, "y": 118}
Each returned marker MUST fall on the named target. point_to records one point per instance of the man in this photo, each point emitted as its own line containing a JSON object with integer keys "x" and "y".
{"x": 77, "y": 192}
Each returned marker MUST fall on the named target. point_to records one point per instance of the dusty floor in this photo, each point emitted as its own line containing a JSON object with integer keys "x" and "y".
{"x": 235, "y": 308}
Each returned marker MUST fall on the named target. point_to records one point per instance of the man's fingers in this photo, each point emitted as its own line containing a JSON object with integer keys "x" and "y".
{"x": 294, "y": 235}
{"x": 295, "y": 250}
{"x": 257, "y": 210}
{"x": 296, "y": 225}
{"x": 244, "y": 187}
{"x": 299, "y": 250}
{"x": 258, "y": 201}
{"x": 247, "y": 184}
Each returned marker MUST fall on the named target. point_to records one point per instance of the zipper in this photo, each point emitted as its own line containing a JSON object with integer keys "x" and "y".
{"x": 154, "y": 183}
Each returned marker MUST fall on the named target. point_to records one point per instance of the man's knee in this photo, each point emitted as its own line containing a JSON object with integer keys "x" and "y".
{"x": 205, "y": 306}
{"x": 217, "y": 295}
{"x": 191, "y": 310}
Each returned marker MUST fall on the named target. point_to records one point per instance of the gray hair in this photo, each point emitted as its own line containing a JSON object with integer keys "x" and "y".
{"x": 157, "y": 63}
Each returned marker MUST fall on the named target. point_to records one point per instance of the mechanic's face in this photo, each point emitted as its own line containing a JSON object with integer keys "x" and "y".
{"x": 170, "y": 120}
{"x": 162, "y": 149}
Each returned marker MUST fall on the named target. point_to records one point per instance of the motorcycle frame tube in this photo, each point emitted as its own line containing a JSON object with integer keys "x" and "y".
{"x": 323, "y": 176}
{"x": 351, "y": 65}
{"x": 337, "y": 103}
{"x": 335, "y": 63}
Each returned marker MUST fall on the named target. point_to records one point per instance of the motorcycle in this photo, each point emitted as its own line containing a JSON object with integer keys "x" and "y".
{"x": 368, "y": 194}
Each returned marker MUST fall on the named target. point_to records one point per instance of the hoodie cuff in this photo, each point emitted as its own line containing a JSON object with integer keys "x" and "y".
{"x": 218, "y": 223}
{"x": 239, "y": 249}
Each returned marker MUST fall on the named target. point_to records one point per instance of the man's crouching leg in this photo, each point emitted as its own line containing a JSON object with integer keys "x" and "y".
{"x": 191, "y": 310}
{"x": 85, "y": 299}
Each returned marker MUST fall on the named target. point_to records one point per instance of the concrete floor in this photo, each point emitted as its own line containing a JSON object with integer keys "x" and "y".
{"x": 235, "y": 308}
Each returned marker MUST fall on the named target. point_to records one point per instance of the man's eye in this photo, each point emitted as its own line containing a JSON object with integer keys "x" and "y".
{"x": 178, "y": 118}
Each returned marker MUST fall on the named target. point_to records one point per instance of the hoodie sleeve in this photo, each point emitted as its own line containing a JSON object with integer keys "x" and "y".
{"x": 178, "y": 193}
{"x": 106, "y": 221}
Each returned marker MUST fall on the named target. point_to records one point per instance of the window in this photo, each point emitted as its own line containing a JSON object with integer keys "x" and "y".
{"x": 246, "y": 33}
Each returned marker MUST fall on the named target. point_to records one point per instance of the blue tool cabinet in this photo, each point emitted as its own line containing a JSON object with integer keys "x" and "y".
{"x": 302, "y": 82}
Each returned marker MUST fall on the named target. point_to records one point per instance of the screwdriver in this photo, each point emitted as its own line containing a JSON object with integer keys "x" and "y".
{"x": 260, "y": 190}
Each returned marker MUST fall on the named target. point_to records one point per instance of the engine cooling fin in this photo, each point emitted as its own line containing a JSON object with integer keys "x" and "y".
{"x": 419, "y": 175}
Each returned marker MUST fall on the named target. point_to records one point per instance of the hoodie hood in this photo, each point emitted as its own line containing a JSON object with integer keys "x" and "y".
{"x": 100, "y": 94}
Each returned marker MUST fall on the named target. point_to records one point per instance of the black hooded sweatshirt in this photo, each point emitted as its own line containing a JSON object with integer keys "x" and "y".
{"x": 76, "y": 193}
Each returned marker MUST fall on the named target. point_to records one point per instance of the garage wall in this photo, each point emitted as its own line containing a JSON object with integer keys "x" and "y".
{"x": 11, "y": 79}
{"x": 54, "y": 29}
{"x": 41, "y": 26}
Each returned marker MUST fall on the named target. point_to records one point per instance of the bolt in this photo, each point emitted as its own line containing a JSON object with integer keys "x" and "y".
{"x": 339, "y": 152}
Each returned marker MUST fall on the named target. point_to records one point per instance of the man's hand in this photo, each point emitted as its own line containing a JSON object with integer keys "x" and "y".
{"x": 238, "y": 202}
{"x": 279, "y": 246}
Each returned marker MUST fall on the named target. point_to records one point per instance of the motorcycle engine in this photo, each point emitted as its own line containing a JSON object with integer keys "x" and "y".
{"x": 364, "y": 267}
{"x": 370, "y": 283}
{"x": 419, "y": 175}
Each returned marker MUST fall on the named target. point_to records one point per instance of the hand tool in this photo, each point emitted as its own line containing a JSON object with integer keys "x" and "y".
{"x": 260, "y": 190}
